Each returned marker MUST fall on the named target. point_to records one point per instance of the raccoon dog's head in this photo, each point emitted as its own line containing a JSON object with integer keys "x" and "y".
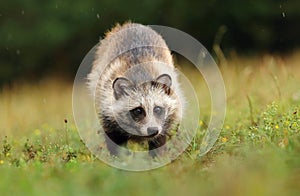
{"x": 148, "y": 109}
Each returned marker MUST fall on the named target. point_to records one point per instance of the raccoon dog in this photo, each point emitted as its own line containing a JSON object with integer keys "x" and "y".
{"x": 134, "y": 83}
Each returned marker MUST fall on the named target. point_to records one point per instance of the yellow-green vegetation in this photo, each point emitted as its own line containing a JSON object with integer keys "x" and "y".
{"x": 257, "y": 153}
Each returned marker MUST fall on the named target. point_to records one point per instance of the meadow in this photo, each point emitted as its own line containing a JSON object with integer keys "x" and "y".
{"x": 257, "y": 153}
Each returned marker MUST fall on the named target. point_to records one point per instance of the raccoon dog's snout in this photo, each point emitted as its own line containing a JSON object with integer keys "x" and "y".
{"x": 152, "y": 131}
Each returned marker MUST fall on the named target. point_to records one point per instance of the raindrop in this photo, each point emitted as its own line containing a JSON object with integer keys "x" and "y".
{"x": 283, "y": 14}
{"x": 98, "y": 16}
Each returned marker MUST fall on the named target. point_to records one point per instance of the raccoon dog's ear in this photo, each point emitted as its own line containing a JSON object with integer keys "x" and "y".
{"x": 120, "y": 86}
{"x": 164, "y": 79}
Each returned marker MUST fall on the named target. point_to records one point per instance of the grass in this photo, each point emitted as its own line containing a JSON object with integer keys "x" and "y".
{"x": 257, "y": 153}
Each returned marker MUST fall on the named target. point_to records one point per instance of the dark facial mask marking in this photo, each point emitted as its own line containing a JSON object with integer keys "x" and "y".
{"x": 138, "y": 113}
{"x": 159, "y": 112}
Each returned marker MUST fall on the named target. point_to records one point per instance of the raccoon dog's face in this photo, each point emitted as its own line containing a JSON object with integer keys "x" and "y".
{"x": 148, "y": 109}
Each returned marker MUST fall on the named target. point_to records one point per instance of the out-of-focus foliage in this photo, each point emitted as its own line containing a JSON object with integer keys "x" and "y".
{"x": 38, "y": 37}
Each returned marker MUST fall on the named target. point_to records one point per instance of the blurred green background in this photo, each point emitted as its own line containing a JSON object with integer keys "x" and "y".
{"x": 42, "y": 38}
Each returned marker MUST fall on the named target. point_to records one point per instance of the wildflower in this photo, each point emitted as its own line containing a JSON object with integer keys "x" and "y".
{"x": 227, "y": 127}
{"x": 37, "y": 132}
{"x": 1, "y": 162}
{"x": 294, "y": 125}
{"x": 287, "y": 123}
{"x": 276, "y": 127}
{"x": 224, "y": 139}
{"x": 200, "y": 122}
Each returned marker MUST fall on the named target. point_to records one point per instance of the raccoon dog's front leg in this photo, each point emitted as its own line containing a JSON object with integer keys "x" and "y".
{"x": 154, "y": 144}
{"x": 115, "y": 139}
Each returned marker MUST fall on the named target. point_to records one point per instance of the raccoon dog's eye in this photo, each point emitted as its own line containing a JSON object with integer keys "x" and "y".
{"x": 157, "y": 110}
{"x": 138, "y": 113}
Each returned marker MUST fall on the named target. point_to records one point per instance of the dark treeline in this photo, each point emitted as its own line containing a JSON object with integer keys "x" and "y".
{"x": 42, "y": 37}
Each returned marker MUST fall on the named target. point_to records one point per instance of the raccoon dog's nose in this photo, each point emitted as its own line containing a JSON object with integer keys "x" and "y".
{"x": 152, "y": 131}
